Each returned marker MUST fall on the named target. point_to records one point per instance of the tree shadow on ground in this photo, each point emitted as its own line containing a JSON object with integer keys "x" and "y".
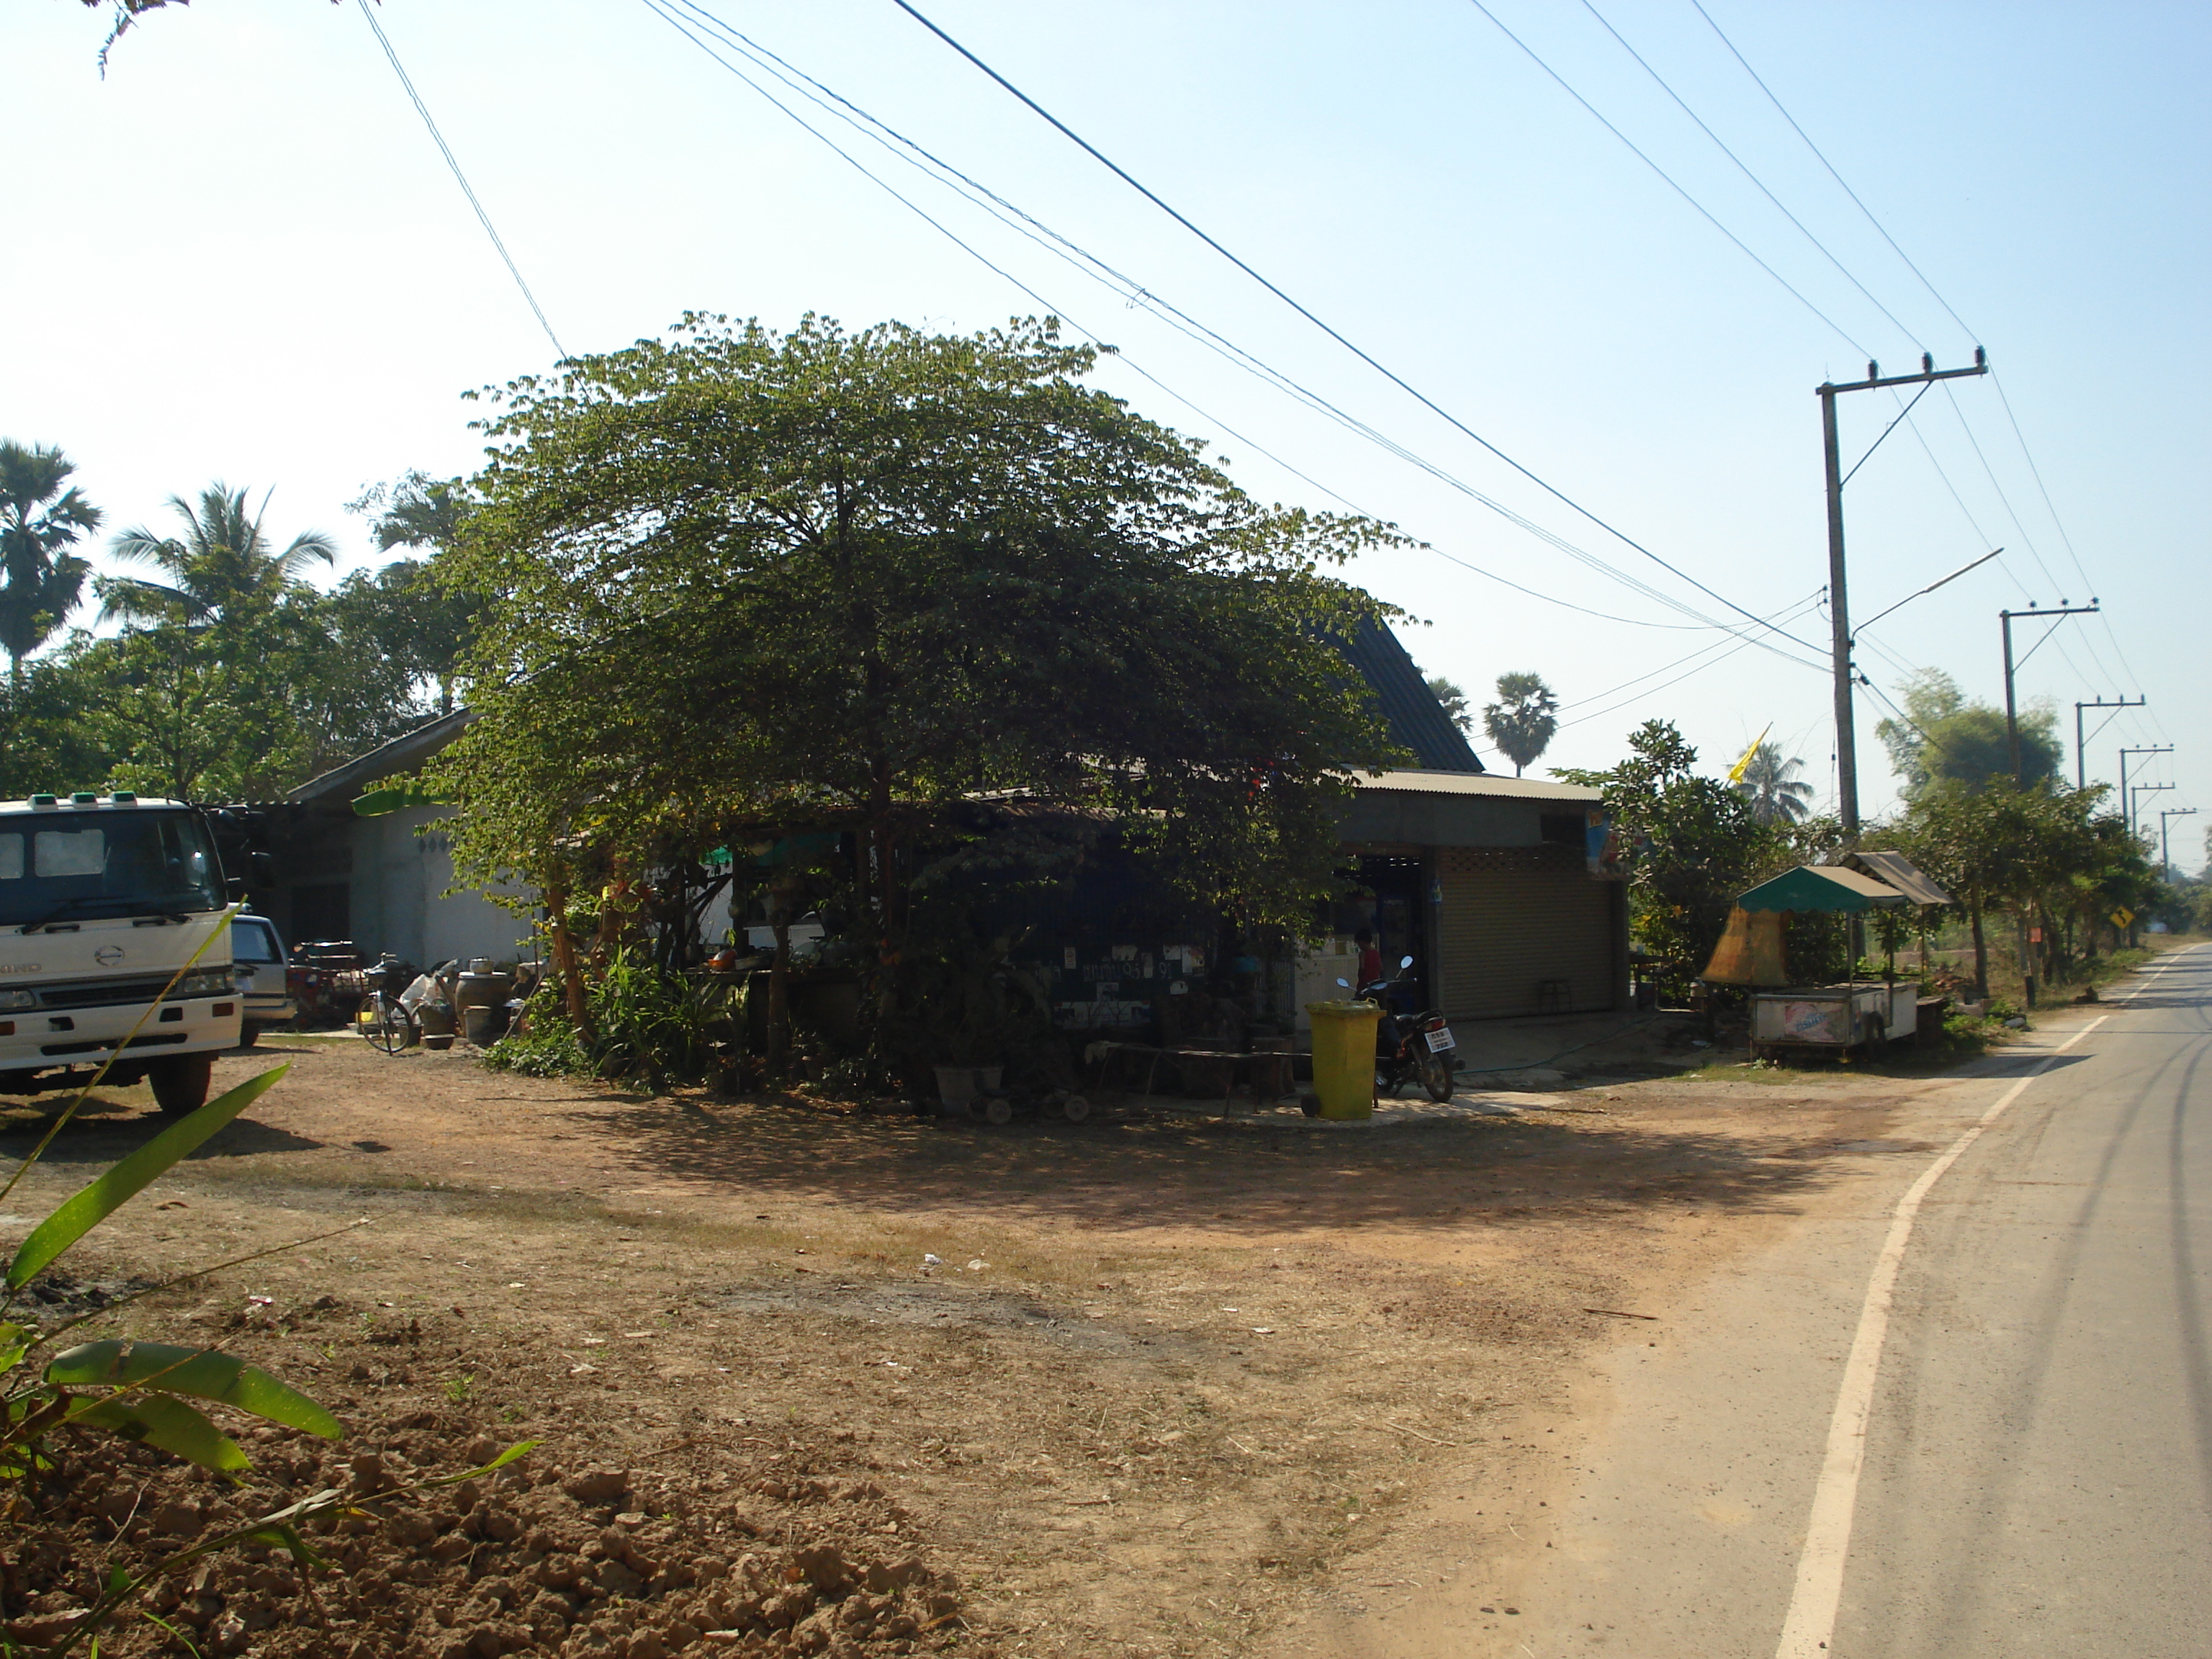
{"x": 1220, "y": 1176}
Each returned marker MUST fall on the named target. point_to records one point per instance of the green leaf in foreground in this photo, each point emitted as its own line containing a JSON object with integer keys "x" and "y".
{"x": 201, "y": 1371}
{"x": 131, "y": 1176}
{"x": 169, "y": 1426}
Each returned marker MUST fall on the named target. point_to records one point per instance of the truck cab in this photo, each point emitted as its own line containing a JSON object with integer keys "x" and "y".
{"x": 103, "y": 899}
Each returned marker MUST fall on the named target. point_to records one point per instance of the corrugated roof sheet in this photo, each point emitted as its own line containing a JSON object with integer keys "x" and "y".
{"x": 1416, "y": 720}
{"x": 1900, "y": 873}
{"x": 1499, "y": 784}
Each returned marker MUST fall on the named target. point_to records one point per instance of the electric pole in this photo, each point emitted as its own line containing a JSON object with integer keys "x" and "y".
{"x": 2081, "y": 744}
{"x": 1847, "y": 763}
{"x": 2165, "y": 857}
{"x": 2127, "y": 801}
{"x": 2012, "y": 714}
{"x": 2135, "y": 816}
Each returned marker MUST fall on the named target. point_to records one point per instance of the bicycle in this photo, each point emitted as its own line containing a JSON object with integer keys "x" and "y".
{"x": 388, "y": 1024}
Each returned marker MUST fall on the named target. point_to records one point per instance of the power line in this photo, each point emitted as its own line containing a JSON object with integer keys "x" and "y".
{"x": 460, "y": 178}
{"x": 1726, "y": 647}
{"x": 2027, "y": 453}
{"x": 1746, "y": 172}
{"x": 1127, "y": 288}
{"x": 1833, "y": 173}
{"x": 1395, "y": 379}
{"x": 1668, "y": 178}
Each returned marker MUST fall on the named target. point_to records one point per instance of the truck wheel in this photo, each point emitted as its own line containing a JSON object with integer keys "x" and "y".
{"x": 248, "y": 1035}
{"x": 180, "y": 1085}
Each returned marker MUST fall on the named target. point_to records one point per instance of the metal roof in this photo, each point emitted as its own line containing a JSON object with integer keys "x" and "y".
{"x": 1412, "y": 781}
{"x": 1416, "y": 720}
{"x": 403, "y": 754}
{"x": 1900, "y": 873}
{"x": 1822, "y": 887}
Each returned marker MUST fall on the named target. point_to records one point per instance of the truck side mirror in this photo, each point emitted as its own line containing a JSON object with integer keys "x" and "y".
{"x": 261, "y": 869}
{"x": 233, "y": 887}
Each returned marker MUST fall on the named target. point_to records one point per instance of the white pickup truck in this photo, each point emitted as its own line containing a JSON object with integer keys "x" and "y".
{"x": 102, "y": 899}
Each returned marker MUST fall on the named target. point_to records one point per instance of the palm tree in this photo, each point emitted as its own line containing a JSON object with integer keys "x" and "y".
{"x": 39, "y": 583}
{"x": 1522, "y": 719}
{"x": 1770, "y": 784}
{"x": 221, "y": 566}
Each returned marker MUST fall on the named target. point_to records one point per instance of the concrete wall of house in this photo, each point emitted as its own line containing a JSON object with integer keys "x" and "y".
{"x": 1520, "y": 928}
{"x": 400, "y": 903}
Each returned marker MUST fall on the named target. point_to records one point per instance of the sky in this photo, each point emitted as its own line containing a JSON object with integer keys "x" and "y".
{"x": 243, "y": 257}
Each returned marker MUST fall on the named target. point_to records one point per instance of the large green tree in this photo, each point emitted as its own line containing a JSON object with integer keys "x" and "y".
{"x": 41, "y": 516}
{"x": 422, "y": 622}
{"x": 735, "y": 578}
{"x": 1696, "y": 846}
{"x": 1943, "y": 740}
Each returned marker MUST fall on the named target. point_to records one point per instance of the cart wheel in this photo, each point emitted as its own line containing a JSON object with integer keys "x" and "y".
{"x": 998, "y": 1109}
{"x": 1075, "y": 1108}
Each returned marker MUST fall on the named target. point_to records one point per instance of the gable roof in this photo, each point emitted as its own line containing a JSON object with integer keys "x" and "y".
{"x": 1415, "y": 719}
{"x": 403, "y": 754}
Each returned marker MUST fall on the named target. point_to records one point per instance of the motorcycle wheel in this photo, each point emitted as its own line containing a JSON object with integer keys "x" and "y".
{"x": 1437, "y": 1076}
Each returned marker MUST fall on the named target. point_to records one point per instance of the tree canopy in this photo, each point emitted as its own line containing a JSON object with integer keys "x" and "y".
{"x": 1522, "y": 719}
{"x": 1945, "y": 739}
{"x": 41, "y": 579}
{"x": 1770, "y": 784}
{"x": 736, "y": 581}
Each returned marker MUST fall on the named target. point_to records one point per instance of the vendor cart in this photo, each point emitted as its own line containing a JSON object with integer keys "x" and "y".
{"x": 1858, "y": 1016}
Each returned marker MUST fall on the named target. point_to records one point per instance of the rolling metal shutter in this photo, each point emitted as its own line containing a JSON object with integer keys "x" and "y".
{"x": 1516, "y": 920}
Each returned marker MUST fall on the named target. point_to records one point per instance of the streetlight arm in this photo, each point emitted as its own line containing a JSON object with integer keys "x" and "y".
{"x": 1930, "y": 588}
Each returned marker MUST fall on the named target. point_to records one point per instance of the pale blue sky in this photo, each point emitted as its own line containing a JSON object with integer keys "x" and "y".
{"x": 247, "y": 261}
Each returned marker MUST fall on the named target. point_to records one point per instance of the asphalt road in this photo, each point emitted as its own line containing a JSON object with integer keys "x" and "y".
{"x": 2027, "y": 1468}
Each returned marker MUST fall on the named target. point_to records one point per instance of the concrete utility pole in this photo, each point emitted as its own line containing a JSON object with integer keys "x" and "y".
{"x": 2080, "y": 743}
{"x": 1847, "y": 763}
{"x": 2165, "y": 857}
{"x": 2134, "y": 815}
{"x": 2012, "y": 714}
{"x": 2127, "y": 800}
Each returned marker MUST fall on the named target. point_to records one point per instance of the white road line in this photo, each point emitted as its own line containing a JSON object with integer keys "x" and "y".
{"x": 1812, "y": 1617}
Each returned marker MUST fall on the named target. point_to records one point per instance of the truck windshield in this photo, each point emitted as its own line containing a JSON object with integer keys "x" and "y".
{"x": 112, "y": 864}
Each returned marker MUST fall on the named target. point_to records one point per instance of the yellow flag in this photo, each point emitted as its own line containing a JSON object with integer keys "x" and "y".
{"x": 1736, "y": 772}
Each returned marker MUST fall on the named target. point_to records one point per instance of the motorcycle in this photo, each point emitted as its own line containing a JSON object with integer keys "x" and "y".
{"x": 1410, "y": 1048}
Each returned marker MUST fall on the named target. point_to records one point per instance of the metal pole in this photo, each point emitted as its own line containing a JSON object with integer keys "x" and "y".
{"x": 2081, "y": 742}
{"x": 1839, "y": 621}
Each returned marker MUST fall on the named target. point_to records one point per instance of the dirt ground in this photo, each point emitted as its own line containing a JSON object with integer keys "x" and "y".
{"x": 1135, "y": 1386}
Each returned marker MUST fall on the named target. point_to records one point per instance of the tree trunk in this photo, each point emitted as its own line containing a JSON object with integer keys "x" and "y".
{"x": 779, "y": 985}
{"x": 564, "y": 964}
{"x": 1981, "y": 948}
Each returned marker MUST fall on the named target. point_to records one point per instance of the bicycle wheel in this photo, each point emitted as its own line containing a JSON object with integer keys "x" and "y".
{"x": 390, "y": 1026}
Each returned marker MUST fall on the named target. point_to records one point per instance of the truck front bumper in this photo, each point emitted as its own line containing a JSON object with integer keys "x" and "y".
{"x": 37, "y": 1040}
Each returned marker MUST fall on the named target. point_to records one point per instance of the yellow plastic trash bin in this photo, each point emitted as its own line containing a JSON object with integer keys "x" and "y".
{"x": 1344, "y": 1057}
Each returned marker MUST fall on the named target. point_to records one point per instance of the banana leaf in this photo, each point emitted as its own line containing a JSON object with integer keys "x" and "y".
{"x": 129, "y": 1177}
{"x": 209, "y": 1375}
{"x": 167, "y": 1425}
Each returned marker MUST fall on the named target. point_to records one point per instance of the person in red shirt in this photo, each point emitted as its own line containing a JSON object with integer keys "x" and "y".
{"x": 1370, "y": 958}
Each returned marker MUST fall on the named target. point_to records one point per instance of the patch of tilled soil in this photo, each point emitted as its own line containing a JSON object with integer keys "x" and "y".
{"x": 584, "y": 1547}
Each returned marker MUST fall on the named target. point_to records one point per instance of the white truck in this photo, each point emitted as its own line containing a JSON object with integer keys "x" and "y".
{"x": 102, "y": 899}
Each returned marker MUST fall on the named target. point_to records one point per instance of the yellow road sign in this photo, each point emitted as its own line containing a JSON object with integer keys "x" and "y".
{"x": 2123, "y": 916}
